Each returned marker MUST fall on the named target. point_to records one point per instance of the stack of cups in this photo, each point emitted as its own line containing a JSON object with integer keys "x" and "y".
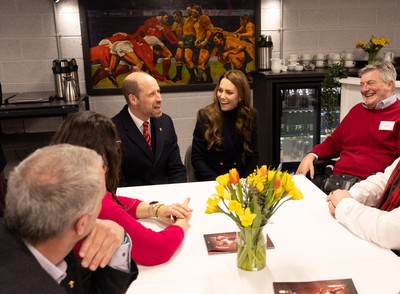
{"x": 334, "y": 58}
{"x": 306, "y": 59}
{"x": 320, "y": 60}
{"x": 349, "y": 60}
{"x": 293, "y": 60}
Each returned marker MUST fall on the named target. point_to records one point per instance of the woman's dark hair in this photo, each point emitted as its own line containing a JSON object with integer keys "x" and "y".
{"x": 97, "y": 132}
{"x": 214, "y": 115}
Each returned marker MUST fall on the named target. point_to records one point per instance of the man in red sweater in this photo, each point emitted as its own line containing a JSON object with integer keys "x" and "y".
{"x": 367, "y": 140}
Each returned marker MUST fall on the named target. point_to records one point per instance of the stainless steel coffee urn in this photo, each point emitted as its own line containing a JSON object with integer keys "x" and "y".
{"x": 265, "y": 46}
{"x": 60, "y": 71}
{"x": 66, "y": 80}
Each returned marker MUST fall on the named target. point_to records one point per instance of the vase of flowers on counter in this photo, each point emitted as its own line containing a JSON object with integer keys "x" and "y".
{"x": 372, "y": 47}
{"x": 250, "y": 202}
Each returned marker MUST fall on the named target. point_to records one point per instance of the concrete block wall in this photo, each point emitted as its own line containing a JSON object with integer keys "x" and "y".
{"x": 28, "y": 47}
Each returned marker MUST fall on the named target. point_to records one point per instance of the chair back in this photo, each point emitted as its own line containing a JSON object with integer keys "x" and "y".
{"x": 188, "y": 164}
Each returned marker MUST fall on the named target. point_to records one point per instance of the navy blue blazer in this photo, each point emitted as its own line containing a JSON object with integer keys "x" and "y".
{"x": 21, "y": 273}
{"x": 142, "y": 166}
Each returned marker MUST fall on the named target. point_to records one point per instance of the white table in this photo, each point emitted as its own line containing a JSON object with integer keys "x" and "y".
{"x": 309, "y": 245}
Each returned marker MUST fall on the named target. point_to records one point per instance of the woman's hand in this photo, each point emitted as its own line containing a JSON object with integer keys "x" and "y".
{"x": 169, "y": 214}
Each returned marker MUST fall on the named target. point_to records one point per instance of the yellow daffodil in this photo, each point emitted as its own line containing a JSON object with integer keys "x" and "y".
{"x": 247, "y": 218}
{"x": 222, "y": 192}
{"x": 212, "y": 205}
{"x": 235, "y": 206}
{"x": 223, "y": 180}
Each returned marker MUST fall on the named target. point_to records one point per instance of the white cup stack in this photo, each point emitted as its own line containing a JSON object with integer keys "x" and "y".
{"x": 320, "y": 60}
{"x": 348, "y": 60}
{"x": 334, "y": 58}
{"x": 293, "y": 60}
{"x": 306, "y": 59}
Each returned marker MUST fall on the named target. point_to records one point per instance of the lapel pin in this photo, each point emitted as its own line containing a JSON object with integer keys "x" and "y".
{"x": 160, "y": 129}
{"x": 71, "y": 284}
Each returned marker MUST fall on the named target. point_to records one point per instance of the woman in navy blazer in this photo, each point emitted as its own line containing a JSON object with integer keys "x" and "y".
{"x": 225, "y": 135}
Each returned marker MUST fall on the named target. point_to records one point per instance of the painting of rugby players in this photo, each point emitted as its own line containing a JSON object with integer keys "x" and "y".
{"x": 185, "y": 46}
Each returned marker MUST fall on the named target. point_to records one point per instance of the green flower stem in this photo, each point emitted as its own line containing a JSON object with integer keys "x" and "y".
{"x": 251, "y": 249}
{"x": 372, "y": 57}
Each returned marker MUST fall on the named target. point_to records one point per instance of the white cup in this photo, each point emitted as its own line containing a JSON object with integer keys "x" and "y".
{"x": 319, "y": 56}
{"x": 306, "y": 57}
{"x": 293, "y": 57}
{"x": 336, "y": 61}
{"x": 319, "y": 63}
{"x": 349, "y": 56}
{"x": 298, "y": 67}
{"x": 293, "y": 62}
{"x": 306, "y": 62}
{"x": 349, "y": 63}
{"x": 335, "y": 56}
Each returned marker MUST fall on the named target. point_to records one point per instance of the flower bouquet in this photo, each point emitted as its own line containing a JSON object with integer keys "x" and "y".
{"x": 250, "y": 202}
{"x": 372, "y": 47}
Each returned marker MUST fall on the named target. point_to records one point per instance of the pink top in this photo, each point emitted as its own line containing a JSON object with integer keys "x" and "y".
{"x": 148, "y": 247}
{"x": 367, "y": 141}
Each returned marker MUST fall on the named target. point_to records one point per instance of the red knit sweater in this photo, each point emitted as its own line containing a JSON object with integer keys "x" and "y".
{"x": 363, "y": 146}
{"x": 148, "y": 247}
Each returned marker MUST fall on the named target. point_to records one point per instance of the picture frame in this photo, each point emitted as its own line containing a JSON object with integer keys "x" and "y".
{"x": 119, "y": 37}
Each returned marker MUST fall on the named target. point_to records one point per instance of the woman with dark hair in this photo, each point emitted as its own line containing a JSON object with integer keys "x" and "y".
{"x": 95, "y": 131}
{"x": 225, "y": 135}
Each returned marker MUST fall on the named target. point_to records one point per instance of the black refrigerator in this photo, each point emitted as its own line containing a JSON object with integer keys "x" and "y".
{"x": 290, "y": 118}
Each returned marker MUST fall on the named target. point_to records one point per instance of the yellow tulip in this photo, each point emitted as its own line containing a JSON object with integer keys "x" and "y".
{"x": 263, "y": 170}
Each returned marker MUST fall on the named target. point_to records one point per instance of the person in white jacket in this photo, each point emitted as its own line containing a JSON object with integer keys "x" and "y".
{"x": 370, "y": 209}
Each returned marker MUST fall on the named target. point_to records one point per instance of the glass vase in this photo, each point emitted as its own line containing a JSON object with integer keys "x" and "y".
{"x": 251, "y": 249}
{"x": 372, "y": 57}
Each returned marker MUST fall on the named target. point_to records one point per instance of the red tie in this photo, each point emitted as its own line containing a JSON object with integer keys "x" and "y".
{"x": 146, "y": 133}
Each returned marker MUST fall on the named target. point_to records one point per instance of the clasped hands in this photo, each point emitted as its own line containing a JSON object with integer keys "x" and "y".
{"x": 168, "y": 214}
{"x": 335, "y": 197}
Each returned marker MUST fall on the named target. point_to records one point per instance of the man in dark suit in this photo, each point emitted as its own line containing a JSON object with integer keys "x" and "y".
{"x": 150, "y": 154}
{"x": 53, "y": 200}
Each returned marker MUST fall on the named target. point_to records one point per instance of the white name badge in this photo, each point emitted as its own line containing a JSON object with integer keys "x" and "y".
{"x": 386, "y": 125}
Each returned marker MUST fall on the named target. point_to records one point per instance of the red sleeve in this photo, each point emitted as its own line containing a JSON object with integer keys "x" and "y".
{"x": 148, "y": 247}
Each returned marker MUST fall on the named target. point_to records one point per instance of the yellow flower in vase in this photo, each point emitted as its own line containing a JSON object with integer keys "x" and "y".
{"x": 250, "y": 202}
{"x": 372, "y": 47}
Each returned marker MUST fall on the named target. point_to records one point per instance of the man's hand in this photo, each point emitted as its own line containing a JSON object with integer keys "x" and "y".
{"x": 335, "y": 197}
{"x": 100, "y": 245}
{"x": 307, "y": 164}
